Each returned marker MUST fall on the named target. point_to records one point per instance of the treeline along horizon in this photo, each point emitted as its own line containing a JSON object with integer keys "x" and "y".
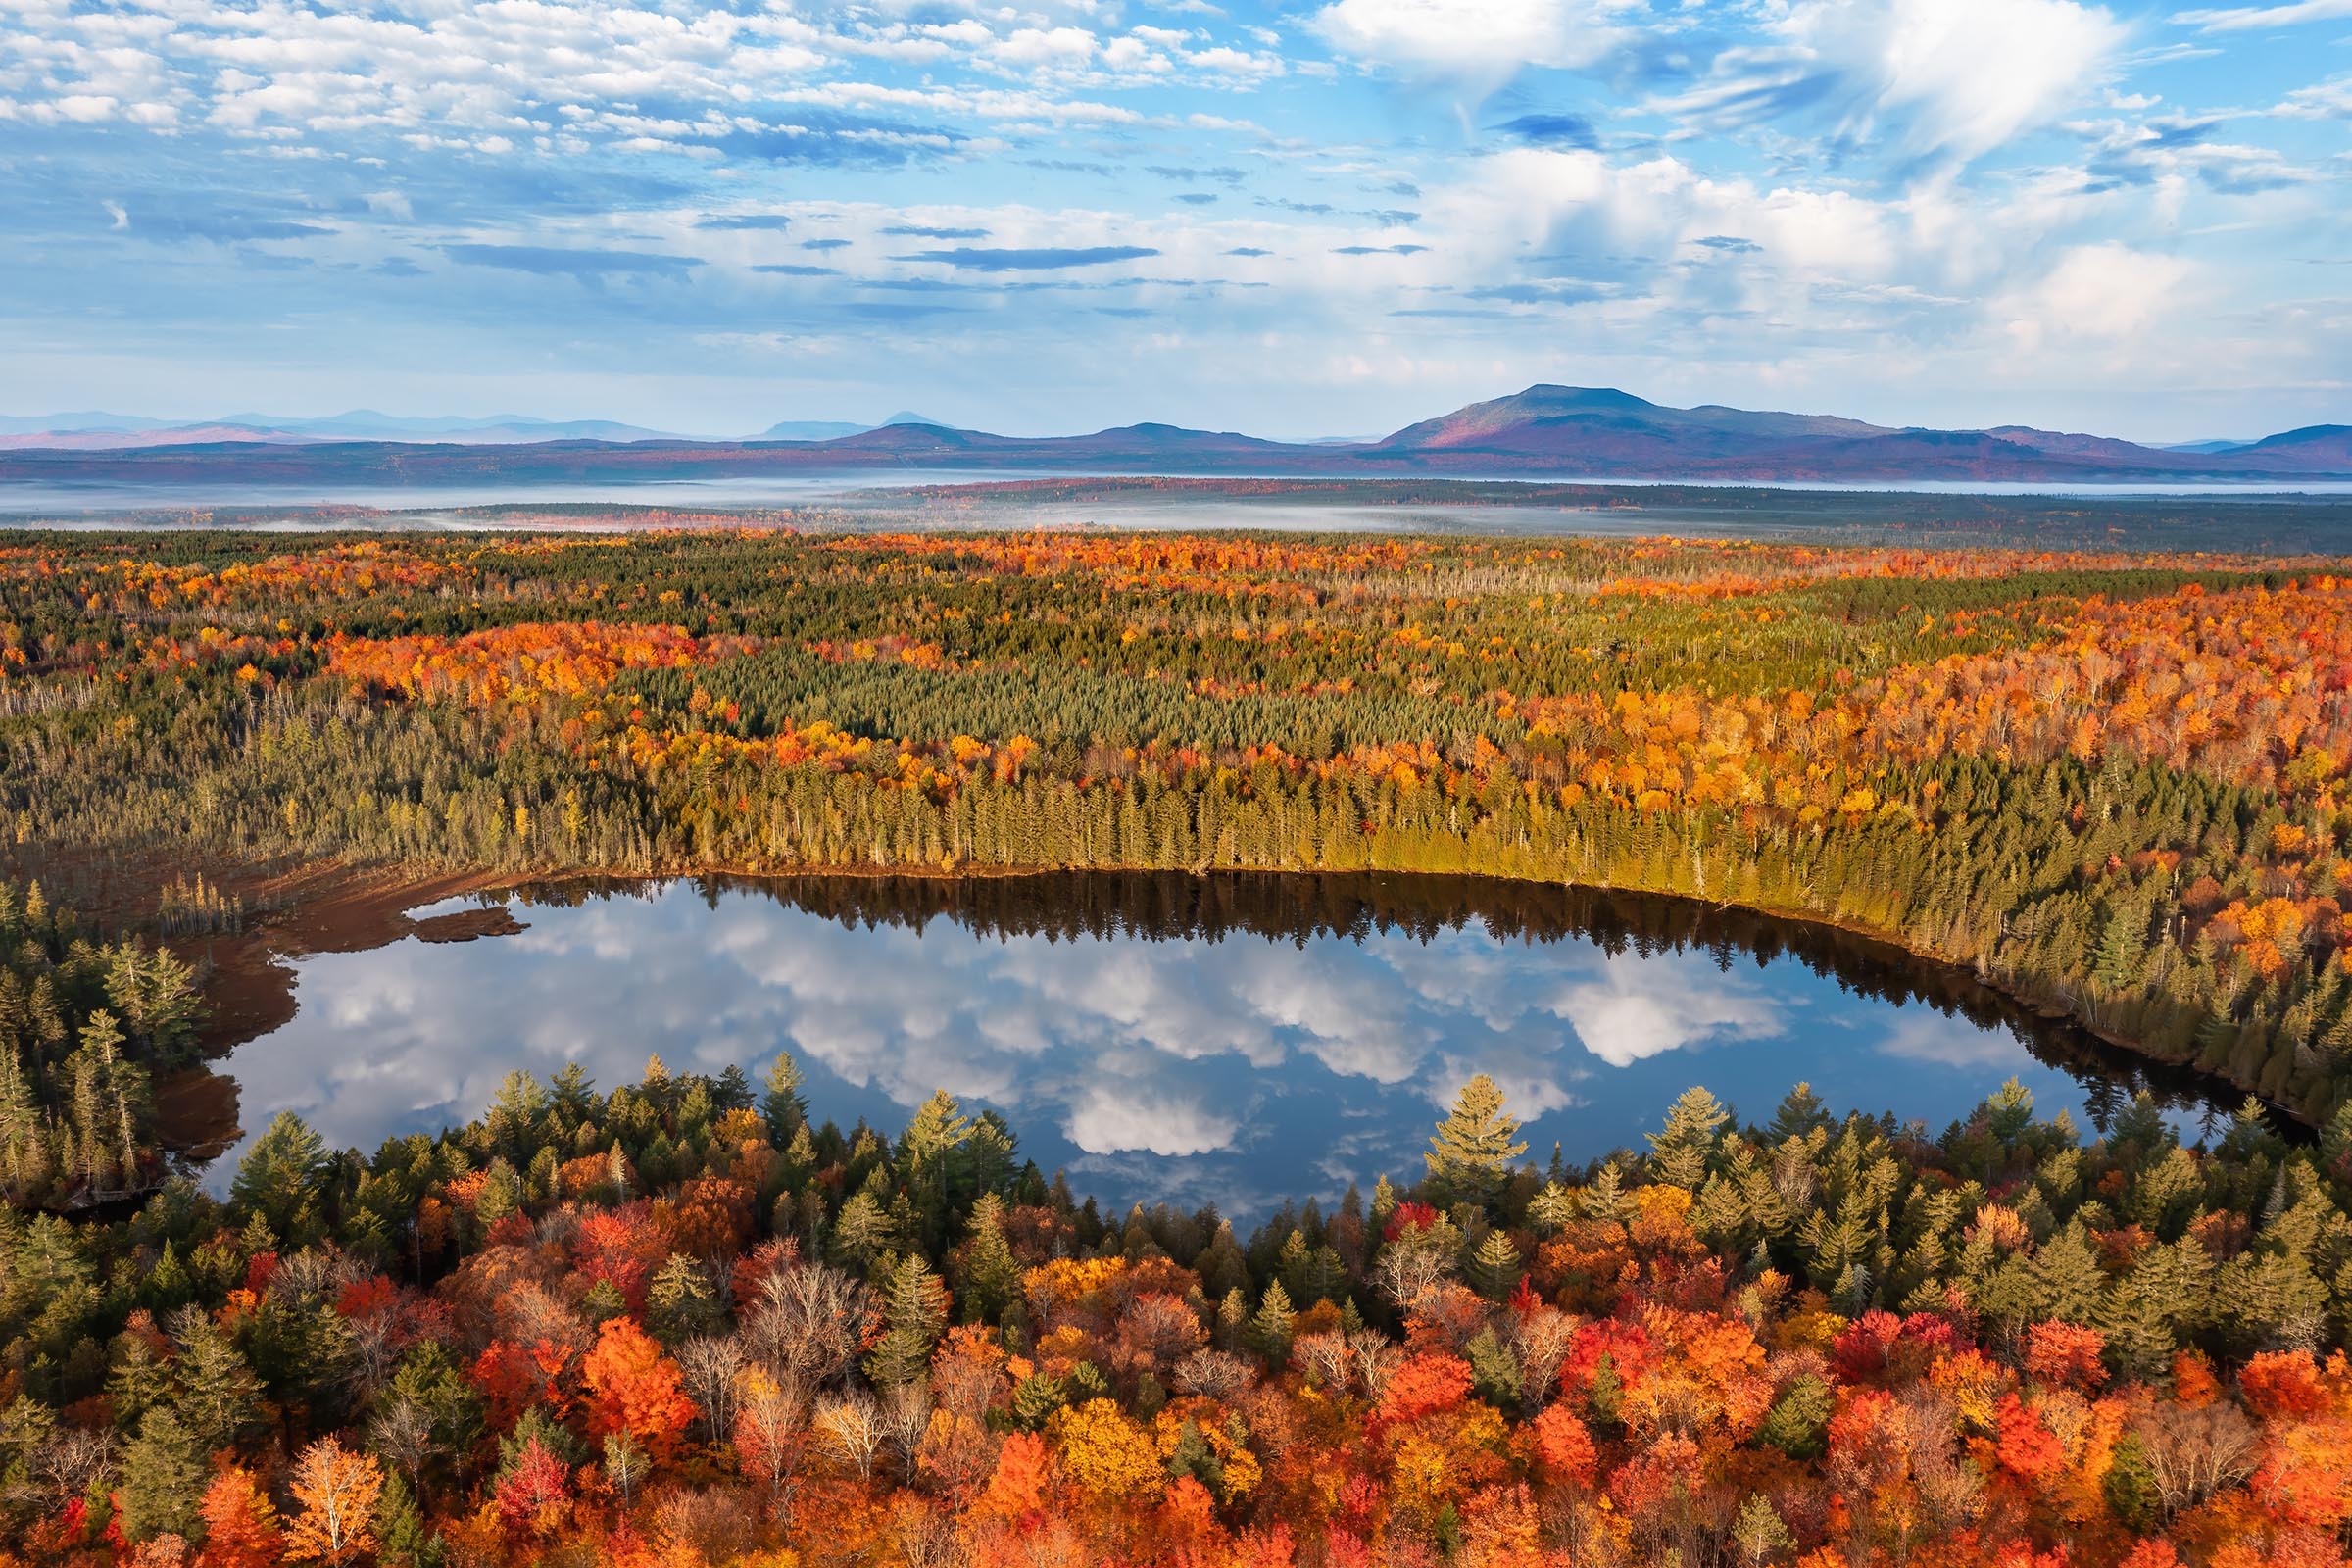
{"x": 2109, "y": 783}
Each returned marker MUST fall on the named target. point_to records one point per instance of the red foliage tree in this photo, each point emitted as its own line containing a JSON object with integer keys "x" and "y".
{"x": 1423, "y": 1386}
{"x": 634, "y": 1386}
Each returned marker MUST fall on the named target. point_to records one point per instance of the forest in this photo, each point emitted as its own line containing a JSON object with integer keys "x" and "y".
{"x": 683, "y": 1322}
{"x": 2108, "y": 783}
{"x": 680, "y": 1323}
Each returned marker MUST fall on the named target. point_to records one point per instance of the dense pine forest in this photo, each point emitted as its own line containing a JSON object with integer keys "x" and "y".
{"x": 681, "y": 1322}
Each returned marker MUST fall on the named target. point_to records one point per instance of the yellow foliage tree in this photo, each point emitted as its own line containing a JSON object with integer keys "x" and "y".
{"x": 338, "y": 1491}
{"x": 1105, "y": 1451}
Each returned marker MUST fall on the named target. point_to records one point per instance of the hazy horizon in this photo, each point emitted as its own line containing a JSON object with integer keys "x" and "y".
{"x": 139, "y": 419}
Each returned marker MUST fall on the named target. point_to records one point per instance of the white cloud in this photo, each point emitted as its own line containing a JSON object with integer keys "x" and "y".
{"x": 1918, "y": 78}
{"x": 1106, "y": 1121}
{"x": 1480, "y": 43}
{"x": 2106, "y": 292}
{"x": 2328, "y": 100}
{"x": 1639, "y": 1009}
{"x": 2241, "y": 18}
{"x": 1953, "y": 1041}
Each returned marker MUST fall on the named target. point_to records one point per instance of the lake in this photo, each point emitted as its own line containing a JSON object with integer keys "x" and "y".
{"x": 1237, "y": 1039}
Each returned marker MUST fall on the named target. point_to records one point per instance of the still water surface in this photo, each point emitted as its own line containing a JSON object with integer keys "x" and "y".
{"x": 1237, "y": 1039}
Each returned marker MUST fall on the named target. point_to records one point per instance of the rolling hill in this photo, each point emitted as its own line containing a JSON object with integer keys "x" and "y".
{"x": 1548, "y": 431}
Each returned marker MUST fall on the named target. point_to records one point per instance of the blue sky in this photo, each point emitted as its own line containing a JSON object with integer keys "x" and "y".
{"x": 1321, "y": 220}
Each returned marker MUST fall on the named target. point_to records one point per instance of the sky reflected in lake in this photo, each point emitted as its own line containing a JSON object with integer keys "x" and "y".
{"x": 1242, "y": 1045}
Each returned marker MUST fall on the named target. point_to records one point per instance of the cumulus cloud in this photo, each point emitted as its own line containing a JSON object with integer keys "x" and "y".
{"x": 1953, "y": 1041}
{"x": 1637, "y": 1009}
{"x": 2101, "y": 293}
{"x": 1106, "y": 1121}
{"x": 1479, "y": 43}
{"x": 1895, "y": 164}
{"x": 1225, "y": 1067}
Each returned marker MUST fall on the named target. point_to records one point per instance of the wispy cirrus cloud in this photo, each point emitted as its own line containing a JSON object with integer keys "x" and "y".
{"x": 2246, "y": 18}
{"x": 588, "y": 266}
{"x": 1037, "y": 258}
{"x": 1921, "y": 79}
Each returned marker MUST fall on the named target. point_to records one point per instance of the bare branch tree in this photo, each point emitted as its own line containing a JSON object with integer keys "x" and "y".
{"x": 849, "y": 1428}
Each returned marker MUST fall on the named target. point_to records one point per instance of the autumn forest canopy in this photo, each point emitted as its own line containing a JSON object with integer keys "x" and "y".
{"x": 689, "y": 1320}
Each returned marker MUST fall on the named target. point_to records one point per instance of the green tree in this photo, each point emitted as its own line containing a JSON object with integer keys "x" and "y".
{"x": 785, "y": 1105}
{"x": 915, "y": 1312}
{"x": 1271, "y": 1329}
{"x": 163, "y": 1478}
{"x": 1495, "y": 1266}
{"x": 1683, "y": 1151}
{"x": 990, "y": 1275}
{"x": 282, "y": 1179}
{"x": 1472, "y": 1151}
{"x": 681, "y": 1304}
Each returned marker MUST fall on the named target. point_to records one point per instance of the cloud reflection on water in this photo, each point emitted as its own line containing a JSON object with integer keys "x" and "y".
{"x": 1239, "y": 1069}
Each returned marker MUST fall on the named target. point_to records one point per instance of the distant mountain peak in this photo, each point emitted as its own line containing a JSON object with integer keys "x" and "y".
{"x": 1547, "y": 431}
{"x": 1591, "y": 397}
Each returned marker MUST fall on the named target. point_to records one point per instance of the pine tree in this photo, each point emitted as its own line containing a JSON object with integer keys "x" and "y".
{"x": 784, "y": 1105}
{"x": 1683, "y": 1151}
{"x": 163, "y": 1478}
{"x": 2069, "y": 1284}
{"x": 1800, "y": 1114}
{"x": 1271, "y": 1329}
{"x": 282, "y": 1179}
{"x": 216, "y": 1395}
{"x": 1495, "y": 1266}
{"x": 1221, "y": 1266}
{"x": 502, "y": 1194}
{"x": 1759, "y": 1531}
{"x": 915, "y": 1312}
{"x": 991, "y": 1276}
{"x": 1605, "y": 1198}
{"x": 681, "y": 1304}
{"x": 1551, "y": 1207}
{"x": 1472, "y": 1151}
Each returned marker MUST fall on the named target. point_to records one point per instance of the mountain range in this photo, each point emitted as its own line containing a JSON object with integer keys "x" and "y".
{"x": 1552, "y": 431}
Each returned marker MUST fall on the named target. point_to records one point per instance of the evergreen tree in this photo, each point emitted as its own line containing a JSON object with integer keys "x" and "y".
{"x": 1474, "y": 1146}
{"x": 1272, "y": 1327}
{"x": 915, "y": 1312}
{"x": 1495, "y": 1266}
{"x": 681, "y": 1304}
{"x": 785, "y": 1106}
{"x": 282, "y": 1179}
{"x": 1683, "y": 1151}
{"x": 991, "y": 1276}
{"x": 163, "y": 1478}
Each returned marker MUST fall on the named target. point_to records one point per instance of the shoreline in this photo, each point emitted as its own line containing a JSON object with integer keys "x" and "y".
{"x": 333, "y": 907}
